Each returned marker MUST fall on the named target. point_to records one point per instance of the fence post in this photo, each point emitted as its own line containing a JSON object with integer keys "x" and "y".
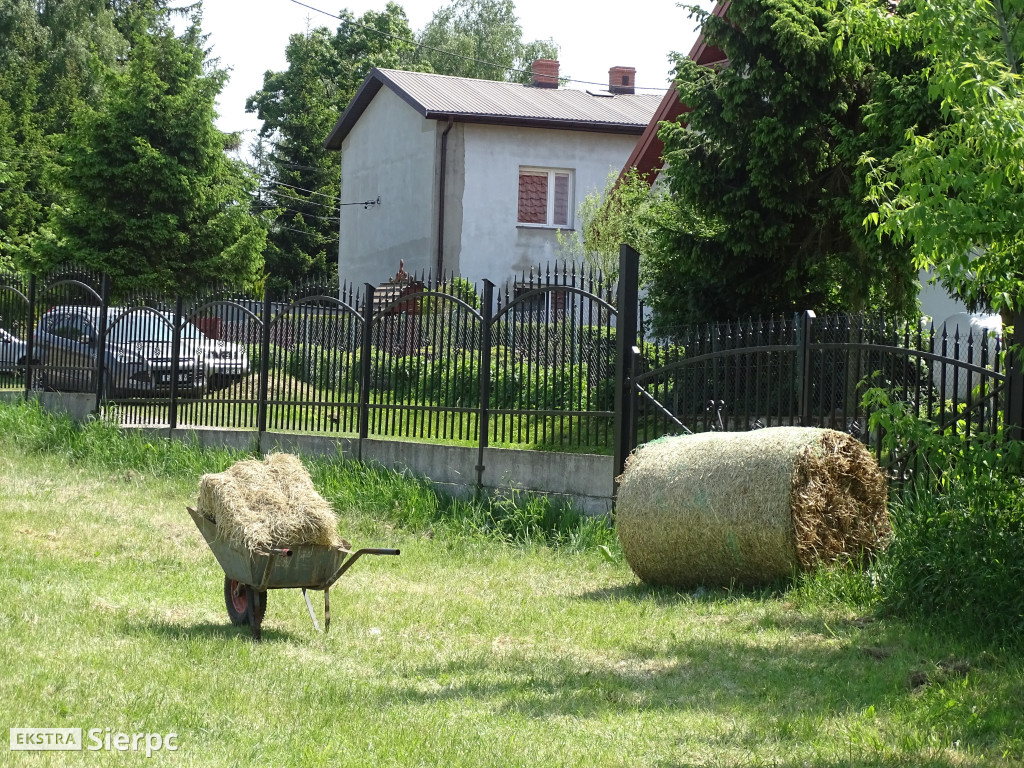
{"x": 484, "y": 419}
{"x": 172, "y": 417}
{"x": 1013, "y": 405}
{"x": 101, "y": 342}
{"x": 627, "y": 307}
{"x": 804, "y": 323}
{"x": 30, "y": 337}
{"x": 364, "y": 367}
{"x": 264, "y": 394}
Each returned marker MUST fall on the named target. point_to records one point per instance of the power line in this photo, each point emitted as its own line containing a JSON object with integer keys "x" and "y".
{"x": 450, "y": 53}
{"x": 330, "y": 206}
{"x": 305, "y": 215}
{"x": 303, "y": 189}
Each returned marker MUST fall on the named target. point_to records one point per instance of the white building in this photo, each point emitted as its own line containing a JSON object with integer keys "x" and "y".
{"x": 474, "y": 177}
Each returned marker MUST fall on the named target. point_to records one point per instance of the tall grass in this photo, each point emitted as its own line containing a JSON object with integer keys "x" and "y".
{"x": 400, "y": 499}
{"x": 957, "y": 553}
{"x": 959, "y": 556}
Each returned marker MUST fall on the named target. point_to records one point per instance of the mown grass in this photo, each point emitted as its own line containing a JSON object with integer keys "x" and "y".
{"x": 474, "y": 648}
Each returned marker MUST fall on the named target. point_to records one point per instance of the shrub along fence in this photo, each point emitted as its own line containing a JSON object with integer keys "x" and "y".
{"x": 556, "y": 359}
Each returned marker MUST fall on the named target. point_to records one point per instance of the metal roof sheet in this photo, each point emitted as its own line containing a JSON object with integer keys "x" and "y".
{"x": 488, "y": 101}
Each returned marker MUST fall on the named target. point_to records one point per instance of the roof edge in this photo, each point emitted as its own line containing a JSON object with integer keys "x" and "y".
{"x": 377, "y": 79}
{"x": 374, "y": 81}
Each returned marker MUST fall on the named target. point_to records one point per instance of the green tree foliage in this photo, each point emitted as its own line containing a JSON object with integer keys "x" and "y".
{"x": 152, "y": 199}
{"x": 52, "y": 59}
{"x": 299, "y": 106}
{"x": 769, "y": 206}
{"x": 955, "y": 191}
{"x": 486, "y": 40}
{"x": 627, "y": 211}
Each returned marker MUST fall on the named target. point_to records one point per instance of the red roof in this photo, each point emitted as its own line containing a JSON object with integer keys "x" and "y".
{"x": 646, "y": 155}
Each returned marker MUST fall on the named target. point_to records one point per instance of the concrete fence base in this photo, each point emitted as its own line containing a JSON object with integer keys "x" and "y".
{"x": 583, "y": 479}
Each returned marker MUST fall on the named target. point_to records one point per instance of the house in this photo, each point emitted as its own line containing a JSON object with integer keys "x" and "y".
{"x": 474, "y": 177}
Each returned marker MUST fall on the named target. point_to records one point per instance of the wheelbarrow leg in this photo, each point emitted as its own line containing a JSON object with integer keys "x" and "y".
{"x": 309, "y": 607}
{"x": 257, "y": 607}
{"x": 327, "y": 610}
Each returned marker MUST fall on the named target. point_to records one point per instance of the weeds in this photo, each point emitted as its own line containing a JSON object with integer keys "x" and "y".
{"x": 399, "y": 498}
{"x": 958, "y": 527}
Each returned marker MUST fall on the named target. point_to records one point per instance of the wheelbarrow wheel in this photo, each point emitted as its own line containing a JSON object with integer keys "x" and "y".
{"x": 238, "y": 597}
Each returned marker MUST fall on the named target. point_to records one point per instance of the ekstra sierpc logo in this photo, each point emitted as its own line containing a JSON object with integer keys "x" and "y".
{"x": 97, "y": 739}
{"x": 42, "y": 739}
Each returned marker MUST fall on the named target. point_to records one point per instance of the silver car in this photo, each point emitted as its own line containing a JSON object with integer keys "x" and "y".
{"x": 225, "y": 360}
{"x": 138, "y": 352}
{"x": 12, "y": 352}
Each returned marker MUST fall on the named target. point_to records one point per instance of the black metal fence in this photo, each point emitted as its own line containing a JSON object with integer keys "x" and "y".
{"x": 810, "y": 371}
{"x": 556, "y": 359}
{"x": 527, "y": 363}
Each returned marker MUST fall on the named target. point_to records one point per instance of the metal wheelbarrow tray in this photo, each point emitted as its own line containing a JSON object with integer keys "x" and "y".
{"x": 249, "y": 574}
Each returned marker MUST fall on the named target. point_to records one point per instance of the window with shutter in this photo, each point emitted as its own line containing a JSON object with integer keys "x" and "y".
{"x": 545, "y": 197}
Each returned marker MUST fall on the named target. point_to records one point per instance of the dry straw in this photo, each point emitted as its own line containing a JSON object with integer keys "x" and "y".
{"x": 749, "y": 508}
{"x": 264, "y": 504}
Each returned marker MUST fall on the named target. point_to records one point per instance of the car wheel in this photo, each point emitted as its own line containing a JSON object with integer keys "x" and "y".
{"x": 38, "y": 379}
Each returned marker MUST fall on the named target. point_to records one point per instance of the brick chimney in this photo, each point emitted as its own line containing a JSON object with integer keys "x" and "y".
{"x": 545, "y": 73}
{"x": 622, "y": 79}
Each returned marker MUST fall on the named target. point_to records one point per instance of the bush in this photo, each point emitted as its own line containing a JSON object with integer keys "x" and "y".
{"x": 958, "y": 526}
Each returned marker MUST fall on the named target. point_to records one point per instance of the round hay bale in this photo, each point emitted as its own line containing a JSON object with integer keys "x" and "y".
{"x": 266, "y": 504}
{"x": 748, "y": 508}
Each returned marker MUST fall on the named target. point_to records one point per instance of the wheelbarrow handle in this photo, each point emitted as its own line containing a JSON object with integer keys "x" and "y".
{"x": 355, "y": 556}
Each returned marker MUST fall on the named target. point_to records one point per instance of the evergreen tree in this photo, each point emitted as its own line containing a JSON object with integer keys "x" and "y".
{"x": 299, "y": 106}
{"x": 765, "y": 176}
{"x": 152, "y": 199}
{"x": 53, "y": 56}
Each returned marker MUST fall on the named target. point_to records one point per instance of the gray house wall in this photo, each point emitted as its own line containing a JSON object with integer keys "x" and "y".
{"x": 389, "y": 153}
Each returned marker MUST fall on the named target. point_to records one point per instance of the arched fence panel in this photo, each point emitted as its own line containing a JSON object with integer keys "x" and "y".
{"x": 15, "y": 337}
{"x": 311, "y": 378}
{"x": 424, "y": 367}
{"x": 69, "y": 313}
{"x": 831, "y": 372}
{"x": 227, "y": 326}
{"x": 552, "y": 361}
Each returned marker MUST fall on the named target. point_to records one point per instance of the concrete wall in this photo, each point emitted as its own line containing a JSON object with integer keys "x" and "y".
{"x": 585, "y": 480}
{"x": 390, "y": 153}
{"x": 78, "y": 405}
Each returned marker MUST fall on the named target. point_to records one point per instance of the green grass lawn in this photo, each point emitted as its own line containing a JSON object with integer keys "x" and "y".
{"x": 464, "y": 651}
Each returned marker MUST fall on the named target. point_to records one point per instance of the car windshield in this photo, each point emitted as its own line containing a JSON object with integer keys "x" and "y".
{"x": 142, "y": 327}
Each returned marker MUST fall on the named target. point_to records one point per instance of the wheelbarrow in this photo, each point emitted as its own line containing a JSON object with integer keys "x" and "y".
{"x": 248, "y": 574}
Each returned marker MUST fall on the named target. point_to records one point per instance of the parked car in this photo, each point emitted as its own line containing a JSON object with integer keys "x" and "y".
{"x": 225, "y": 360}
{"x": 12, "y": 352}
{"x": 138, "y": 352}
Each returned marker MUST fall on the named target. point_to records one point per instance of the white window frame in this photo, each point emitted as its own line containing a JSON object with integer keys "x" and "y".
{"x": 550, "y": 214}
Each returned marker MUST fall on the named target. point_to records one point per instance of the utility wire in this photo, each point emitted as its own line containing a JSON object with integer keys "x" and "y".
{"x": 330, "y": 206}
{"x": 450, "y": 53}
{"x": 305, "y": 215}
{"x": 303, "y": 189}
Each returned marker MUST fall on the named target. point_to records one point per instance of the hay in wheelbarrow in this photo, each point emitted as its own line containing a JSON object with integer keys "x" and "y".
{"x": 749, "y": 508}
{"x": 267, "y": 504}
